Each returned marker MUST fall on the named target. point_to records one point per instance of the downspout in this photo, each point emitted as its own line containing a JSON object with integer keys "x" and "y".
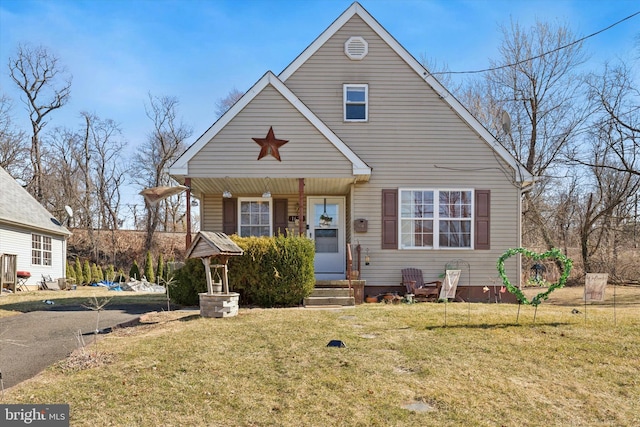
{"x": 301, "y": 222}
{"x": 187, "y": 183}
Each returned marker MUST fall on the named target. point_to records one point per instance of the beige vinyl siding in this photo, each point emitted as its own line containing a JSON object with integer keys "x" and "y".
{"x": 212, "y": 211}
{"x": 233, "y": 152}
{"x": 412, "y": 139}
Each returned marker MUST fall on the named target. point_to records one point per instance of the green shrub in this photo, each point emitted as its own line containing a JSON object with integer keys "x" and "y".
{"x": 190, "y": 280}
{"x": 160, "y": 268}
{"x": 79, "y": 276}
{"x": 96, "y": 273}
{"x": 148, "y": 268}
{"x": 134, "y": 271}
{"x": 86, "y": 272}
{"x": 110, "y": 273}
{"x": 70, "y": 272}
{"x": 273, "y": 272}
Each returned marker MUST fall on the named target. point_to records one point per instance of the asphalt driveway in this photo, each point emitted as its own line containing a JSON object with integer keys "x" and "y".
{"x": 29, "y": 342}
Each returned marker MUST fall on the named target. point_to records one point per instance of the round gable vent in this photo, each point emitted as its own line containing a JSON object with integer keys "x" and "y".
{"x": 356, "y": 48}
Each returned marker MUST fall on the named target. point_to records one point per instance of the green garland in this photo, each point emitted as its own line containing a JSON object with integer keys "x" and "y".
{"x": 553, "y": 253}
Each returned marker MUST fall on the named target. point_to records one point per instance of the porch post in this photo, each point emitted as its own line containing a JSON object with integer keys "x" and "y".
{"x": 301, "y": 222}
{"x": 187, "y": 183}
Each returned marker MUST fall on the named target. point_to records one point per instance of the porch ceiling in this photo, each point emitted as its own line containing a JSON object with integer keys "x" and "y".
{"x": 277, "y": 186}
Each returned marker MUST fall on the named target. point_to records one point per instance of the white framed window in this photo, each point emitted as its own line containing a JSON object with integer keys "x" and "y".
{"x": 356, "y": 102}
{"x": 255, "y": 217}
{"x": 436, "y": 219}
{"x": 41, "y": 250}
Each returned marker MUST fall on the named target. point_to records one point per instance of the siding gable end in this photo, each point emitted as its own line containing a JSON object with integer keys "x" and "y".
{"x": 181, "y": 166}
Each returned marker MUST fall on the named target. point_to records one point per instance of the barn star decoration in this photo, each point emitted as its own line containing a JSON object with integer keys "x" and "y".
{"x": 270, "y": 145}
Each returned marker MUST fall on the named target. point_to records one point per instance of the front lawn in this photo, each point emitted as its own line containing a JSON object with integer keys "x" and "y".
{"x": 401, "y": 367}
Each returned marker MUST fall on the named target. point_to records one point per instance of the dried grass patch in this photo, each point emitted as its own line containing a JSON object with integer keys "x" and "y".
{"x": 272, "y": 368}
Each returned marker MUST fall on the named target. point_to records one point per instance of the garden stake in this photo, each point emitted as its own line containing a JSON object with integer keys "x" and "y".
{"x": 445, "y": 311}
{"x": 518, "y": 315}
{"x": 614, "y": 305}
{"x": 468, "y": 305}
{"x": 585, "y": 306}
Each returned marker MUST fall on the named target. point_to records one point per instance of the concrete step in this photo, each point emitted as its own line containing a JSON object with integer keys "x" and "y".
{"x": 321, "y": 301}
{"x": 330, "y": 292}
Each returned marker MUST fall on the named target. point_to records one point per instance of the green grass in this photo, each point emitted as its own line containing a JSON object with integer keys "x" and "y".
{"x": 272, "y": 367}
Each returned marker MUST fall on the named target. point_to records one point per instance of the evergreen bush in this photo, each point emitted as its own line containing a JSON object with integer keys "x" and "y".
{"x": 96, "y": 273}
{"x": 190, "y": 280}
{"x": 78, "y": 268}
{"x": 86, "y": 272}
{"x": 148, "y": 268}
{"x": 70, "y": 272}
{"x": 134, "y": 271}
{"x": 110, "y": 273}
{"x": 160, "y": 268}
{"x": 274, "y": 272}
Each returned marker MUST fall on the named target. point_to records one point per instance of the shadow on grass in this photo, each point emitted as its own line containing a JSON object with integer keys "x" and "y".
{"x": 496, "y": 325}
{"x": 138, "y": 322}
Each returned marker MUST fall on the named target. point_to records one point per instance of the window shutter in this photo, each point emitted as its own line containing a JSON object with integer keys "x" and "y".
{"x": 280, "y": 220}
{"x": 482, "y": 220}
{"x": 390, "y": 219}
{"x": 230, "y": 216}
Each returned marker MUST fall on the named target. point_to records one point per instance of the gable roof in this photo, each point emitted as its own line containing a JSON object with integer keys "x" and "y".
{"x": 181, "y": 167}
{"x": 19, "y": 208}
{"x": 522, "y": 175}
{"x": 211, "y": 244}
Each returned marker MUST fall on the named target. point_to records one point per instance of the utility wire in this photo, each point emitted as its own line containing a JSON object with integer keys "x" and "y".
{"x": 542, "y": 54}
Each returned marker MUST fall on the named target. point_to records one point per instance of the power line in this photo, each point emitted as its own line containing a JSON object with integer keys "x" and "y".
{"x": 542, "y": 54}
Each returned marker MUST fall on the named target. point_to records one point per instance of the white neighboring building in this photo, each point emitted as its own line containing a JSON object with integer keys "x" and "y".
{"x": 29, "y": 231}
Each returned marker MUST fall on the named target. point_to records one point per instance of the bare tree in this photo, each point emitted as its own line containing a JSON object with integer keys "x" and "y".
{"x": 85, "y": 171}
{"x": 540, "y": 89}
{"x": 64, "y": 174}
{"x": 14, "y": 151}
{"x": 227, "y": 102}
{"x": 164, "y": 144}
{"x": 46, "y": 87}
{"x": 615, "y": 98}
{"x": 613, "y": 192}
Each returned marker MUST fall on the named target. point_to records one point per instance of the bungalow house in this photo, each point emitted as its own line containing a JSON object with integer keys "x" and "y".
{"x": 356, "y": 143}
{"x": 30, "y": 235}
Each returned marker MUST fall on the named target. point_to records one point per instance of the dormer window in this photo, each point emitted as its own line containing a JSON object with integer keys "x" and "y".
{"x": 356, "y": 99}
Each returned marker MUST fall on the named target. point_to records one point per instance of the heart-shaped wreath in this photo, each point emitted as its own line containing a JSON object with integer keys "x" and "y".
{"x": 554, "y": 253}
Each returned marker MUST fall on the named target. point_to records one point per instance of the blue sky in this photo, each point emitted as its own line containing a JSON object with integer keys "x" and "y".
{"x": 118, "y": 51}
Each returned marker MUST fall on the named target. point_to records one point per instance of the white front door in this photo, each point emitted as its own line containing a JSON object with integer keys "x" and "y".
{"x": 326, "y": 226}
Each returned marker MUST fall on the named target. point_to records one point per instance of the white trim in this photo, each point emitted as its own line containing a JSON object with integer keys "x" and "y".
{"x": 520, "y": 172}
{"x": 254, "y": 199}
{"x": 181, "y": 165}
{"x": 345, "y": 102}
{"x": 436, "y": 219}
{"x": 41, "y": 251}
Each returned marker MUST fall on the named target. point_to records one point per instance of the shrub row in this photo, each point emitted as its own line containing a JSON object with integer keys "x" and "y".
{"x": 84, "y": 273}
